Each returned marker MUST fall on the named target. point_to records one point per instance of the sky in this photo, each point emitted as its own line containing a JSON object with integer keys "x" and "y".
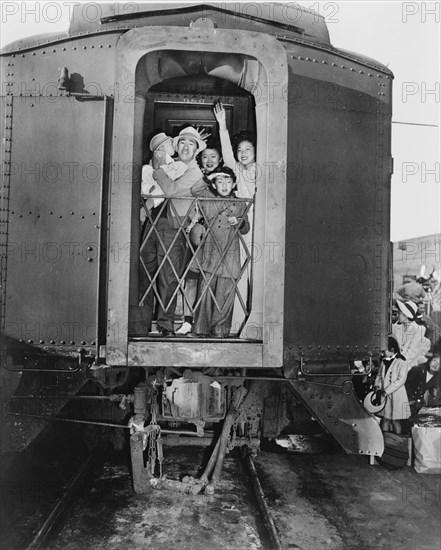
{"x": 405, "y": 36}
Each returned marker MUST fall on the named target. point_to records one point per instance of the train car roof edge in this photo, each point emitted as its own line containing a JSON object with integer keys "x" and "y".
{"x": 295, "y": 20}
{"x": 86, "y": 29}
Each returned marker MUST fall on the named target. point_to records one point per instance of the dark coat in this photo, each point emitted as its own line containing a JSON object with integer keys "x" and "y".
{"x": 417, "y": 386}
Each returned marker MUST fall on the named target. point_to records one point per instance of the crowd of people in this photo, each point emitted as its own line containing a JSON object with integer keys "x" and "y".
{"x": 193, "y": 217}
{"x": 409, "y": 377}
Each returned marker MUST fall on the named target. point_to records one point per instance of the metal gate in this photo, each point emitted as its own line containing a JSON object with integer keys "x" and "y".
{"x": 203, "y": 253}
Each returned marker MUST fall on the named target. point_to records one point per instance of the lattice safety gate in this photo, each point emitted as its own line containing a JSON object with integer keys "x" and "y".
{"x": 194, "y": 247}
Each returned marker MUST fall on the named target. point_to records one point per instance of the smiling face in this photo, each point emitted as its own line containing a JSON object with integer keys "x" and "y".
{"x": 223, "y": 185}
{"x": 186, "y": 149}
{"x": 245, "y": 152}
{"x": 210, "y": 159}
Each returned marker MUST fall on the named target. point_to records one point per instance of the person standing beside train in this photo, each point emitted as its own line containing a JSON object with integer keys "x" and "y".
{"x": 413, "y": 290}
{"x": 168, "y": 238}
{"x": 410, "y": 334}
{"x": 390, "y": 383}
{"x": 423, "y": 384}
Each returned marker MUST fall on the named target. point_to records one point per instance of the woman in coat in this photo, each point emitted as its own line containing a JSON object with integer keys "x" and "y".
{"x": 410, "y": 334}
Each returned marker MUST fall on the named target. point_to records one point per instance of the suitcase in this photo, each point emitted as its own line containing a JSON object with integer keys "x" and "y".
{"x": 396, "y": 451}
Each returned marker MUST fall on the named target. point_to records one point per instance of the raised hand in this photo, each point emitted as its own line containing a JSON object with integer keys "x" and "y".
{"x": 219, "y": 113}
{"x": 204, "y": 135}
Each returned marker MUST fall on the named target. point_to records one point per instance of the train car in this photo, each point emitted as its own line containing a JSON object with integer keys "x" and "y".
{"x": 77, "y": 112}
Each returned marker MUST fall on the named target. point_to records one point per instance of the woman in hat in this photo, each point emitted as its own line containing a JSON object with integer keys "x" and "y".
{"x": 390, "y": 383}
{"x": 410, "y": 334}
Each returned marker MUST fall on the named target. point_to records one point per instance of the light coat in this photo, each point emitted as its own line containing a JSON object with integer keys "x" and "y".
{"x": 412, "y": 341}
{"x": 393, "y": 383}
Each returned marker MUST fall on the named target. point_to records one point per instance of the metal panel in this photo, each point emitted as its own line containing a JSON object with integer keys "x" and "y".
{"x": 54, "y": 219}
{"x": 337, "y": 229}
{"x": 226, "y": 354}
{"x": 334, "y": 404}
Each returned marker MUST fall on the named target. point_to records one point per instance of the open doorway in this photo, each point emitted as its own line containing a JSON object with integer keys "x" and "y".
{"x": 171, "y": 105}
{"x": 256, "y": 63}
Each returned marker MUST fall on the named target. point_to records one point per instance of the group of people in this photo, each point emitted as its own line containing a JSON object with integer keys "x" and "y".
{"x": 409, "y": 374}
{"x": 191, "y": 189}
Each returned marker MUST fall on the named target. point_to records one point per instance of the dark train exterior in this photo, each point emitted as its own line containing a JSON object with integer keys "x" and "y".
{"x": 73, "y": 143}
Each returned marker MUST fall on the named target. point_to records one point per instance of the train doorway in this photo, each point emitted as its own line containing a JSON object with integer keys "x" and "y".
{"x": 172, "y": 105}
{"x": 176, "y": 83}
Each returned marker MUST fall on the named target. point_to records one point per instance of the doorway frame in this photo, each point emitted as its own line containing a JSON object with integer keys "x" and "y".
{"x": 269, "y": 87}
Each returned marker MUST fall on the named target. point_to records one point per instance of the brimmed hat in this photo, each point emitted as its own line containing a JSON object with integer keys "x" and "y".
{"x": 158, "y": 140}
{"x": 221, "y": 171}
{"x": 409, "y": 309}
{"x": 190, "y": 133}
{"x": 370, "y": 407}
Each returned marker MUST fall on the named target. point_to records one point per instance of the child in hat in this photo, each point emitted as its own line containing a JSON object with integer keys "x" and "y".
{"x": 163, "y": 150}
{"x": 390, "y": 383}
{"x": 221, "y": 266}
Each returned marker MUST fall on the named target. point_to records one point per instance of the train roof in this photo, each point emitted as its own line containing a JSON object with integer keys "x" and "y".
{"x": 101, "y": 18}
{"x": 287, "y": 21}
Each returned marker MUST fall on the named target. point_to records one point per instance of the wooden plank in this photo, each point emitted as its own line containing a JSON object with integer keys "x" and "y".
{"x": 195, "y": 354}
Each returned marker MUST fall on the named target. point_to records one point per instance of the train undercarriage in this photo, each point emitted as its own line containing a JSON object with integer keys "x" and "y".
{"x": 219, "y": 408}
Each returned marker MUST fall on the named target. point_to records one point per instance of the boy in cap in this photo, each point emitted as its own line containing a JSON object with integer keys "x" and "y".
{"x": 220, "y": 261}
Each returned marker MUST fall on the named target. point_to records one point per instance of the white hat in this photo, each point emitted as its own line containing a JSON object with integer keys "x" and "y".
{"x": 158, "y": 140}
{"x": 190, "y": 133}
{"x": 369, "y": 406}
{"x": 409, "y": 309}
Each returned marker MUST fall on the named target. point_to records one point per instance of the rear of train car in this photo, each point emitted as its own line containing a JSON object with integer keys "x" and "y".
{"x": 76, "y": 113}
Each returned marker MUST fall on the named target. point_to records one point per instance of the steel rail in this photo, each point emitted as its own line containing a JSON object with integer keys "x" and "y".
{"x": 268, "y": 522}
{"x": 62, "y": 504}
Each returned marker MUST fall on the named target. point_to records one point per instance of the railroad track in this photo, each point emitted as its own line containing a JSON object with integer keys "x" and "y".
{"x": 106, "y": 513}
{"x": 62, "y": 506}
{"x": 331, "y": 501}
